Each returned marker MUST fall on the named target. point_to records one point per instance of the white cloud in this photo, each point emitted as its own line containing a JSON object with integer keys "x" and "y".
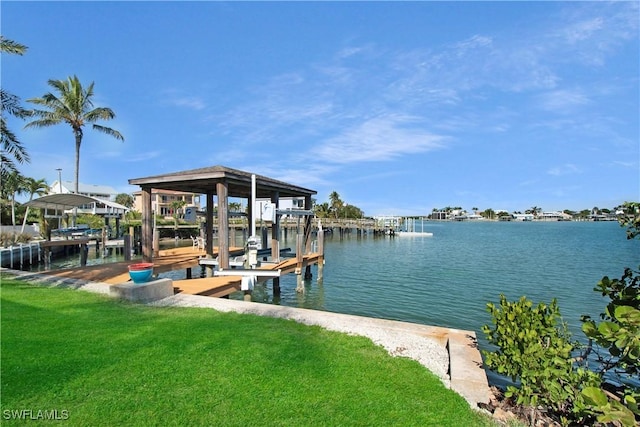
{"x": 378, "y": 139}
{"x": 190, "y": 102}
{"x": 566, "y": 169}
{"x": 179, "y": 99}
{"x": 563, "y": 100}
{"x": 141, "y": 157}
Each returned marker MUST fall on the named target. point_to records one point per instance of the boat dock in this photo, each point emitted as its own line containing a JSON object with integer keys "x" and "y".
{"x": 188, "y": 258}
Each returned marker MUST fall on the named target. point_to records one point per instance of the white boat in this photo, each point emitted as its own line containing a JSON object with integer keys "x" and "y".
{"x": 414, "y": 233}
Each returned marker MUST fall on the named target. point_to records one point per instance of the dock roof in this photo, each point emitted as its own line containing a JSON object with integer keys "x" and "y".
{"x": 204, "y": 180}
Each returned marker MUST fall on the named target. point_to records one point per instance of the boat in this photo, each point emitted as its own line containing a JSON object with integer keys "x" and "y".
{"x": 413, "y": 233}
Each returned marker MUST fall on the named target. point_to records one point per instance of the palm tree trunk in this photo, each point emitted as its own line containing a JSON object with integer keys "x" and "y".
{"x": 78, "y": 134}
{"x": 13, "y": 209}
{"x": 24, "y": 221}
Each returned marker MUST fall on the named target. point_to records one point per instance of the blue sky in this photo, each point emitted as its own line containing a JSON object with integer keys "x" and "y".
{"x": 400, "y": 107}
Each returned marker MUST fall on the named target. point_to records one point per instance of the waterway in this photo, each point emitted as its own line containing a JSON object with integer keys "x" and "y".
{"x": 447, "y": 279}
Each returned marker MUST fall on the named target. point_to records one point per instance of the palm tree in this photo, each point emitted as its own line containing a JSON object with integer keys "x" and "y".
{"x": 125, "y": 200}
{"x": 322, "y": 210}
{"x": 12, "y": 150}
{"x": 33, "y": 187}
{"x": 535, "y": 211}
{"x": 74, "y": 106}
{"x": 336, "y": 203}
{"x": 13, "y": 185}
{"x": 176, "y": 205}
{"x": 235, "y": 207}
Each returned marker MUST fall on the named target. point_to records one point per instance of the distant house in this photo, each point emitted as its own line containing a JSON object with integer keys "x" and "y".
{"x": 264, "y": 210}
{"x": 440, "y": 215}
{"x": 554, "y": 216}
{"x": 523, "y": 217}
{"x": 161, "y": 201}
{"x": 105, "y": 207}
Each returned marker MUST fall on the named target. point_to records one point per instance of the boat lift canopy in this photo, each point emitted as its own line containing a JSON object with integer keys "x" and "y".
{"x": 65, "y": 201}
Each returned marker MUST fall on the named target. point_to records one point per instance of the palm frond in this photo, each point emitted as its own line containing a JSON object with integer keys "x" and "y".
{"x": 107, "y": 130}
{"x": 10, "y": 46}
{"x": 100, "y": 113}
{"x": 11, "y": 104}
{"x": 11, "y": 145}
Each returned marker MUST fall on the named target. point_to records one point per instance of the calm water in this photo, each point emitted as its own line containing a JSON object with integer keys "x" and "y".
{"x": 447, "y": 280}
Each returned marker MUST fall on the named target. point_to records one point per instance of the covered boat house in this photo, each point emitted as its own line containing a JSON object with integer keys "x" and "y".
{"x": 223, "y": 183}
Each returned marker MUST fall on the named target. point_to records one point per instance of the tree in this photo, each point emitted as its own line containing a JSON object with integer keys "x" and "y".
{"x": 235, "y": 207}
{"x": 33, "y": 187}
{"x": 534, "y": 210}
{"x": 73, "y": 105}
{"x": 176, "y": 205}
{"x": 12, "y": 186}
{"x": 125, "y": 200}
{"x": 353, "y": 212}
{"x": 322, "y": 210}
{"x": 336, "y": 203}
{"x": 12, "y": 149}
{"x": 488, "y": 213}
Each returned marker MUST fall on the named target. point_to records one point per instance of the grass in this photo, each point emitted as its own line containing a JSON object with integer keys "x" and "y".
{"x": 99, "y": 361}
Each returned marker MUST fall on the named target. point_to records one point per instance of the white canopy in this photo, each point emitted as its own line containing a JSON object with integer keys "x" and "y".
{"x": 69, "y": 200}
{"x": 61, "y": 201}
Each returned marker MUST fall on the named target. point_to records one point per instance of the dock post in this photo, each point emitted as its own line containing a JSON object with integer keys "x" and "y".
{"x": 276, "y": 286}
{"x": 321, "y": 252}
{"x": 84, "y": 249}
{"x": 264, "y": 237}
{"x": 299, "y": 263}
{"x": 127, "y": 247}
{"x": 247, "y": 296}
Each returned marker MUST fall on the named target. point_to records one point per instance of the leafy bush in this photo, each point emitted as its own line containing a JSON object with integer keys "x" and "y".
{"x": 617, "y": 339}
{"x": 9, "y": 239}
{"x": 535, "y": 350}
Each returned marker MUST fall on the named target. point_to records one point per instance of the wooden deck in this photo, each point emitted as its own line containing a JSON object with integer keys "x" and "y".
{"x": 221, "y": 286}
{"x": 178, "y": 259}
{"x": 118, "y": 272}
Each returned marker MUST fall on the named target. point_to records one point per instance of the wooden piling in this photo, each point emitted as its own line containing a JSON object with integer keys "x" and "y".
{"x": 84, "y": 249}
{"x": 299, "y": 262}
{"x": 321, "y": 257}
{"x": 127, "y": 247}
{"x": 276, "y": 286}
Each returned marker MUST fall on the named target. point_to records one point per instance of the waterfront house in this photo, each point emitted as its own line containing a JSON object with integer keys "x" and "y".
{"x": 264, "y": 207}
{"x": 523, "y": 217}
{"x": 554, "y": 216}
{"x": 161, "y": 201}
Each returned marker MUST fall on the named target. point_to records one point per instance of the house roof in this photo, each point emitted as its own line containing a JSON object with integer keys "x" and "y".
{"x": 204, "y": 181}
{"x": 85, "y": 188}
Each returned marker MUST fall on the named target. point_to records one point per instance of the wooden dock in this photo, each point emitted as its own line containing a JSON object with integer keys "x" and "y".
{"x": 221, "y": 286}
{"x": 179, "y": 259}
{"x": 118, "y": 272}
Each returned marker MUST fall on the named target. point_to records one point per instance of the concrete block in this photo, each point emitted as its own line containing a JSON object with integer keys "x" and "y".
{"x": 143, "y": 292}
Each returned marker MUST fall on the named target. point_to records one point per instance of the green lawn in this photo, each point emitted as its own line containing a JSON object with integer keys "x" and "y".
{"x": 98, "y": 361}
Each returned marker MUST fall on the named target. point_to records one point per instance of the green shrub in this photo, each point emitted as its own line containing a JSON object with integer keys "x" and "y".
{"x": 9, "y": 239}
{"x": 536, "y": 351}
{"x": 617, "y": 339}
